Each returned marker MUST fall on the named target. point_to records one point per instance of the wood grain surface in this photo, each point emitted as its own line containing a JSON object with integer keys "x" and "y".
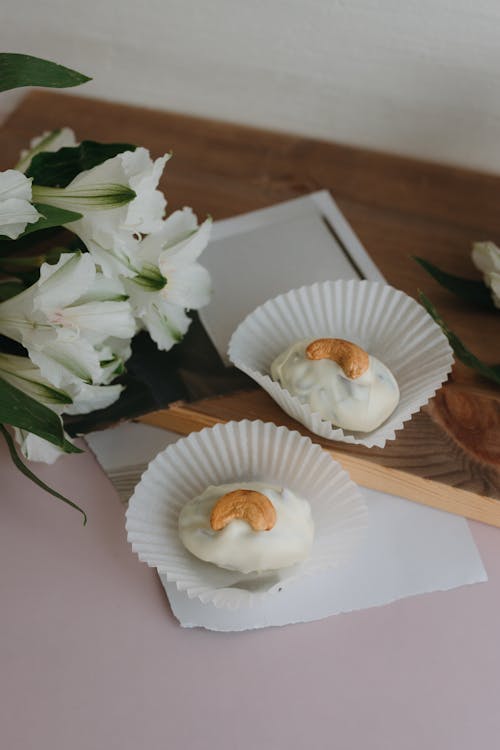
{"x": 398, "y": 207}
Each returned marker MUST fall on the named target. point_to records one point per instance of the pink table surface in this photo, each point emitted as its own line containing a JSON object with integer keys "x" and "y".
{"x": 91, "y": 656}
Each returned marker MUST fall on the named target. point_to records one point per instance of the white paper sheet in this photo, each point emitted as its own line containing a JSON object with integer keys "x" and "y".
{"x": 410, "y": 549}
{"x": 254, "y": 257}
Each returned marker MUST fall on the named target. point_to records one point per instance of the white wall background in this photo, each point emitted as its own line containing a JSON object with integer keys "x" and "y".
{"x": 418, "y": 77}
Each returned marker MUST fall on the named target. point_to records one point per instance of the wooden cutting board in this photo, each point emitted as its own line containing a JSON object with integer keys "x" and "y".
{"x": 448, "y": 456}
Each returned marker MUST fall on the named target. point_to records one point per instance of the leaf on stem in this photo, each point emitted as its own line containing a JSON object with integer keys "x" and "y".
{"x": 24, "y": 70}
{"x": 28, "y": 473}
{"x": 470, "y": 290}
{"x": 50, "y": 217}
{"x": 492, "y": 372}
{"x": 22, "y": 411}
{"x": 59, "y": 168}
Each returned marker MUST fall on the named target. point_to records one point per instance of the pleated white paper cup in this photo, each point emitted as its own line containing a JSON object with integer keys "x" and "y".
{"x": 242, "y": 452}
{"x": 382, "y": 320}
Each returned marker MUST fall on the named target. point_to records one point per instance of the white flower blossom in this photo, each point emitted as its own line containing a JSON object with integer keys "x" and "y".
{"x": 486, "y": 257}
{"x": 77, "y": 398}
{"x": 48, "y": 141}
{"x": 67, "y": 320}
{"x": 16, "y": 210}
{"x": 141, "y": 215}
{"x": 169, "y": 279}
{"x": 26, "y": 377}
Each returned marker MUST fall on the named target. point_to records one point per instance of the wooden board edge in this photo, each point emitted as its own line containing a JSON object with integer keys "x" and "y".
{"x": 182, "y": 418}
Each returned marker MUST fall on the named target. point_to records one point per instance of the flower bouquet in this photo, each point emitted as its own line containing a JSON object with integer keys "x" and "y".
{"x": 88, "y": 260}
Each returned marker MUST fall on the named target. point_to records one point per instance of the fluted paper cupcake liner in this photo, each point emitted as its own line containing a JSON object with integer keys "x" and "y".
{"x": 384, "y": 321}
{"x": 242, "y": 452}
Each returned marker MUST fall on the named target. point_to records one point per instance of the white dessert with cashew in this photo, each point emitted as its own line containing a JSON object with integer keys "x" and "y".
{"x": 247, "y": 527}
{"x": 338, "y": 380}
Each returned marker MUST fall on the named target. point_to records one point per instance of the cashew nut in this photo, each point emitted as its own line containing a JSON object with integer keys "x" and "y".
{"x": 248, "y": 505}
{"x": 353, "y": 360}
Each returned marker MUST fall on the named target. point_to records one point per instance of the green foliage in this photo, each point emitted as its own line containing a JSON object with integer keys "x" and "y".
{"x": 50, "y": 217}
{"x": 19, "y": 463}
{"x": 22, "y": 411}
{"x": 474, "y": 292}
{"x": 59, "y": 168}
{"x": 492, "y": 372}
{"x": 24, "y": 70}
{"x": 10, "y": 288}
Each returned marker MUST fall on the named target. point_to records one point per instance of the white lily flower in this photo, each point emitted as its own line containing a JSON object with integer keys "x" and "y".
{"x": 26, "y": 377}
{"x": 64, "y": 328}
{"x": 140, "y": 174}
{"x": 16, "y": 211}
{"x": 119, "y": 201}
{"x": 486, "y": 257}
{"x": 48, "y": 141}
{"x": 169, "y": 279}
{"x": 77, "y": 398}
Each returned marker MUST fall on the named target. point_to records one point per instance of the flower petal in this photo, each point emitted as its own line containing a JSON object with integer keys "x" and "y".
{"x": 62, "y": 362}
{"x": 186, "y": 249}
{"x": 15, "y": 214}
{"x": 114, "y": 251}
{"x": 87, "y": 398}
{"x": 14, "y": 184}
{"x": 145, "y": 212}
{"x": 104, "y": 289}
{"x": 165, "y": 323}
{"x": 105, "y": 318}
{"x": 188, "y": 287}
{"x": 64, "y": 282}
{"x": 486, "y": 256}
{"x": 24, "y": 375}
{"x": 492, "y": 279}
{"x": 35, "y": 448}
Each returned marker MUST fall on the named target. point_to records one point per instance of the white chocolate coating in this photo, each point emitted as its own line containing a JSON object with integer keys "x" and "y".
{"x": 238, "y": 546}
{"x": 360, "y": 404}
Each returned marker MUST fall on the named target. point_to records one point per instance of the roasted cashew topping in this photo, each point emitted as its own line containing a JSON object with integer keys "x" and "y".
{"x": 352, "y": 359}
{"x": 248, "y": 505}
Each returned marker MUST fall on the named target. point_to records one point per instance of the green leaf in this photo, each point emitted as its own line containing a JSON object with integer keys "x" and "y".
{"x": 475, "y": 292}
{"x": 59, "y": 168}
{"x": 23, "y": 264}
{"x": 20, "y": 373}
{"x": 28, "y": 473}
{"x": 24, "y": 70}
{"x": 19, "y": 410}
{"x": 50, "y": 217}
{"x": 492, "y": 372}
{"x": 9, "y": 289}
{"x": 69, "y": 447}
